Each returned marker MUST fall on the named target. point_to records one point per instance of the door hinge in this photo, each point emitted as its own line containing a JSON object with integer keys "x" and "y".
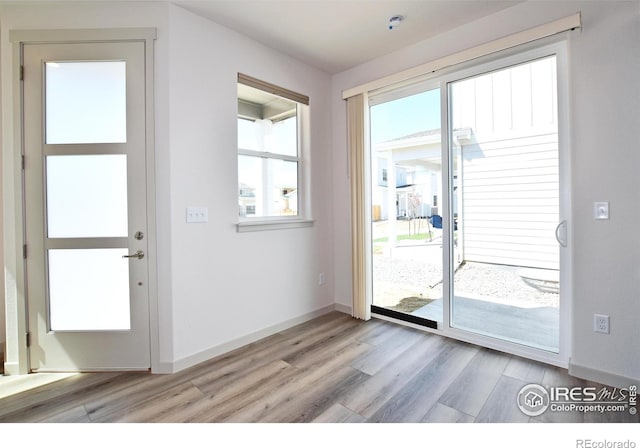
{"x": 24, "y": 251}
{"x": 29, "y": 339}
{"x": 23, "y": 162}
{"x": 22, "y": 73}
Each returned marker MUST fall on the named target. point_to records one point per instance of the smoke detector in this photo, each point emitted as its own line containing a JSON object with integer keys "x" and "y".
{"x": 395, "y": 21}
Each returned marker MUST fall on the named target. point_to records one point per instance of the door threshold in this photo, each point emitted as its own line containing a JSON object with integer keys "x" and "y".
{"x": 417, "y": 320}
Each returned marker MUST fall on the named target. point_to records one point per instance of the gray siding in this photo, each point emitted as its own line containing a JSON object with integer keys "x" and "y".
{"x": 510, "y": 201}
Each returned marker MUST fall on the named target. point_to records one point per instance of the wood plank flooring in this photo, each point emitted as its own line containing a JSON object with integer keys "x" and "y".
{"x": 331, "y": 369}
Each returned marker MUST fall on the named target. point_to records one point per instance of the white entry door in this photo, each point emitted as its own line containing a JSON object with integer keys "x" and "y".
{"x": 85, "y": 202}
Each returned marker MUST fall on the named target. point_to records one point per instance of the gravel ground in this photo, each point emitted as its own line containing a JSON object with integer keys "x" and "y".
{"x": 398, "y": 278}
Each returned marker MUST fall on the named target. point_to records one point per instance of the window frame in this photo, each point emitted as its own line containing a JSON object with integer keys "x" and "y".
{"x": 302, "y": 218}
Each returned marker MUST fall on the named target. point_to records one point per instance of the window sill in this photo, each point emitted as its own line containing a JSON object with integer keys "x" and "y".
{"x": 258, "y": 226}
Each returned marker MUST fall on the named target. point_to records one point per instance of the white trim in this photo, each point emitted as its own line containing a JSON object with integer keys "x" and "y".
{"x": 82, "y": 35}
{"x": 447, "y": 207}
{"x": 343, "y": 308}
{"x": 599, "y": 376}
{"x": 267, "y": 155}
{"x": 566, "y": 209}
{"x": 210, "y": 353}
{"x": 257, "y": 226}
{"x": 16, "y": 346}
{"x": 303, "y": 218}
{"x": 162, "y": 367}
{"x": 504, "y": 43}
{"x": 16, "y": 356}
{"x": 12, "y": 368}
{"x": 152, "y": 245}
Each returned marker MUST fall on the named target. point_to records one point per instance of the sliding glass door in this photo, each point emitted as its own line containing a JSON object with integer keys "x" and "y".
{"x": 406, "y": 197}
{"x": 506, "y": 204}
{"x": 466, "y": 207}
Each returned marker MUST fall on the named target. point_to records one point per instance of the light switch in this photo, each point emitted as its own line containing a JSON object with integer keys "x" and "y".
{"x": 197, "y": 214}
{"x": 601, "y": 210}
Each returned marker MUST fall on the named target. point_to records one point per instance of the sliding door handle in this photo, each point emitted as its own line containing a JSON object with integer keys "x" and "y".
{"x": 562, "y": 239}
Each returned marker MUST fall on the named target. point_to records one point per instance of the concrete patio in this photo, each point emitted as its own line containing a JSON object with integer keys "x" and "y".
{"x": 516, "y": 304}
{"x": 535, "y": 327}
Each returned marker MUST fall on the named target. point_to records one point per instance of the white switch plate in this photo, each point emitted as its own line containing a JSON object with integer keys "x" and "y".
{"x": 601, "y": 210}
{"x": 197, "y": 214}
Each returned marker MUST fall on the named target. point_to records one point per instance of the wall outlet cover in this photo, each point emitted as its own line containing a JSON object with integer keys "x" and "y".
{"x": 601, "y": 323}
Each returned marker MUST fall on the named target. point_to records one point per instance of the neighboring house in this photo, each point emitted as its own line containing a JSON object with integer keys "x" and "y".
{"x": 290, "y": 198}
{"x": 416, "y": 180}
{"x": 247, "y": 200}
{"x": 505, "y": 162}
{"x": 287, "y": 199}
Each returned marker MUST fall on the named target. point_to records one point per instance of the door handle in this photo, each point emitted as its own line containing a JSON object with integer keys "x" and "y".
{"x": 139, "y": 255}
{"x": 562, "y": 241}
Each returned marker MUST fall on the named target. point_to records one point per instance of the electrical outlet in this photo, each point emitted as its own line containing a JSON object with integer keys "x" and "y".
{"x": 321, "y": 279}
{"x": 601, "y": 323}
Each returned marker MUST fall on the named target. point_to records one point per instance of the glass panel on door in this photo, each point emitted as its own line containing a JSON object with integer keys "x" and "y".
{"x": 406, "y": 200}
{"x": 88, "y": 290}
{"x": 86, "y": 102}
{"x": 505, "y": 204}
{"x": 87, "y": 196}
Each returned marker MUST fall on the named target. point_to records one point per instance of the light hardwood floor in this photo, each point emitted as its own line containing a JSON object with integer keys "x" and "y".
{"x": 331, "y": 369}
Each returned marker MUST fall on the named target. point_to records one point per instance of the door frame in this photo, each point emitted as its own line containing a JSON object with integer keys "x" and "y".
{"x": 17, "y": 351}
{"x": 505, "y": 58}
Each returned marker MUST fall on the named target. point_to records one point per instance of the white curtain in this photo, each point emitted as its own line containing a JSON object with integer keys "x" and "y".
{"x": 356, "y": 125}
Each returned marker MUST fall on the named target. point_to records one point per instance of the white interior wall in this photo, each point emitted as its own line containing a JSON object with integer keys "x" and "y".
{"x": 216, "y": 288}
{"x": 604, "y": 60}
{"x": 227, "y": 285}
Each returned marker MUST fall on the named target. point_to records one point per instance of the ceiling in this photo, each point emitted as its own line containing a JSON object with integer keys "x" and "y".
{"x": 335, "y": 35}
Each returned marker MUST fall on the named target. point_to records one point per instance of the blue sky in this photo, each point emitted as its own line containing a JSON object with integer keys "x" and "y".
{"x": 405, "y": 116}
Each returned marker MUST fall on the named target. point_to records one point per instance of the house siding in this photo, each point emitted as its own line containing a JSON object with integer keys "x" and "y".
{"x": 511, "y": 202}
{"x": 507, "y": 166}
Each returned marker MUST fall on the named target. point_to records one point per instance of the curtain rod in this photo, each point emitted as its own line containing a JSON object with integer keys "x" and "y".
{"x": 549, "y": 29}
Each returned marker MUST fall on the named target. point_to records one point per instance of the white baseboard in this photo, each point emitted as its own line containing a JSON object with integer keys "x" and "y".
{"x": 205, "y": 355}
{"x": 606, "y": 378}
{"x": 11, "y": 368}
{"x": 162, "y": 367}
{"x": 343, "y": 308}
